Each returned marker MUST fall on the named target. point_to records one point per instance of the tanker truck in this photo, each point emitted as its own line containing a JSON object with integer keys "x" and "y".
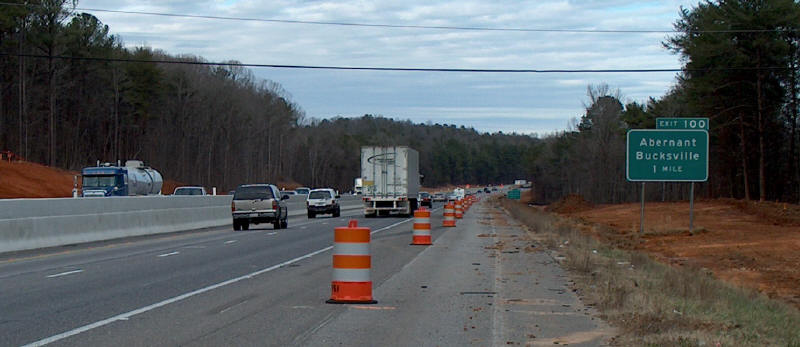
{"x": 130, "y": 180}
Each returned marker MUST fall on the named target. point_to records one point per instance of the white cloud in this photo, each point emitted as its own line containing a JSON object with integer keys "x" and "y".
{"x": 545, "y": 101}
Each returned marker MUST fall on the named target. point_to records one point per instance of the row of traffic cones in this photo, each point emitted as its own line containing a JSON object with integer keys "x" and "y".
{"x": 352, "y": 261}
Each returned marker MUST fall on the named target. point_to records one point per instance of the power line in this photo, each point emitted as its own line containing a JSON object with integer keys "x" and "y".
{"x": 402, "y": 26}
{"x": 376, "y": 68}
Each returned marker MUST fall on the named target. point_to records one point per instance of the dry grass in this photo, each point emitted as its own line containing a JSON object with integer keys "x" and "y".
{"x": 654, "y": 304}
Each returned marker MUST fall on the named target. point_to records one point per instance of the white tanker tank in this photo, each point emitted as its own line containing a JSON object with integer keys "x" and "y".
{"x": 143, "y": 180}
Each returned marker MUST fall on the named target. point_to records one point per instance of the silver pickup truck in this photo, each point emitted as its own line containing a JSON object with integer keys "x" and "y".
{"x": 258, "y": 203}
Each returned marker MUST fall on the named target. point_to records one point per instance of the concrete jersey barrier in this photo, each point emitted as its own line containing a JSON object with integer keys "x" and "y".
{"x": 38, "y": 223}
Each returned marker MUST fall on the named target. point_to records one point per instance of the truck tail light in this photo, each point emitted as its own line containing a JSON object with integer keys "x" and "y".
{"x": 233, "y": 206}
{"x": 274, "y": 205}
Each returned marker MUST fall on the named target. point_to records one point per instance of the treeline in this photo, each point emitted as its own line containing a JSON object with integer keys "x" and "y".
{"x": 196, "y": 123}
{"x": 447, "y": 154}
{"x": 741, "y": 62}
{"x": 71, "y": 94}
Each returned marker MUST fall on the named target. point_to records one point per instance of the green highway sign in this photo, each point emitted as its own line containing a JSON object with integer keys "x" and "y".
{"x": 514, "y": 194}
{"x": 672, "y": 155}
{"x": 682, "y": 123}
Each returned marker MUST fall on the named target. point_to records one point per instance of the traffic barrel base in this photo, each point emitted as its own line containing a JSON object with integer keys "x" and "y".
{"x": 351, "y": 293}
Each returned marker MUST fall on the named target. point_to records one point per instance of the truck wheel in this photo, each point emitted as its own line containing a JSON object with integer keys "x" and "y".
{"x": 369, "y": 215}
{"x": 337, "y": 213}
{"x": 311, "y": 215}
{"x": 236, "y": 226}
{"x": 245, "y": 225}
{"x": 276, "y": 225}
{"x": 284, "y": 224}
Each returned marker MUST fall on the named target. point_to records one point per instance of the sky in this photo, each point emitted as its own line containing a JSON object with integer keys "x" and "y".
{"x": 524, "y": 103}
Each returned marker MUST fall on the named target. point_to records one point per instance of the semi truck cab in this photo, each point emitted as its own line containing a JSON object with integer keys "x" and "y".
{"x": 104, "y": 181}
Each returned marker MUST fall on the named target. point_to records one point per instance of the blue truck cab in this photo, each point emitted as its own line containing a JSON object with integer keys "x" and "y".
{"x": 105, "y": 181}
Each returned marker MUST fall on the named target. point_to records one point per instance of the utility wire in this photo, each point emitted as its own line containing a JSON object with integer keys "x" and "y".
{"x": 375, "y": 68}
{"x": 401, "y": 26}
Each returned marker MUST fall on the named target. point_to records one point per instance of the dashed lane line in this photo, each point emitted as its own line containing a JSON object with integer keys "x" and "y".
{"x": 65, "y": 273}
{"x": 127, "y": 315}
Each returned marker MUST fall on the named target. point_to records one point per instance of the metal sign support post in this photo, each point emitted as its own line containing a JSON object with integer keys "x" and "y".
{"x": 641, "y": 220}
{"x": 691, "y": 209}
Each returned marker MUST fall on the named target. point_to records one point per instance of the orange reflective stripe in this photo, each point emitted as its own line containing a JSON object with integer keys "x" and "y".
{"x": 352, "y": 261}
{"x": 360, "y": 235}
{"x": 422, "y": 226}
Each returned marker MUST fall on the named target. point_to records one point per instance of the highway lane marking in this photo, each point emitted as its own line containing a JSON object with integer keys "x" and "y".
{"x": 65, "y": 273}
{"x": 168, "y": 254}
{"x": 127, "y": 315}
{"x": 272, "y": 233}
{"x": 230, "y": 241}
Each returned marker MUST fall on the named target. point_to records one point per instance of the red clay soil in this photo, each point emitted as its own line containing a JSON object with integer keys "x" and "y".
{"x": 22, "y": 179}
{"x": 755, "y": 245}
{"x": 570, "y": 204}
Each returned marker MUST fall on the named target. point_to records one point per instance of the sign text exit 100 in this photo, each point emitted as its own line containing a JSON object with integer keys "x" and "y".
{"x": 682, "y": 123}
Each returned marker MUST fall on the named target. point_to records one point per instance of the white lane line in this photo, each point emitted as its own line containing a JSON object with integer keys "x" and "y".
{"x": 230, "y": 241}
{"x": 272, "y": 233}
{"x": 391, "y": 226}
{"x": 65, "y": 273}
{"x": 127, "y": 315}
{"x": 168, "y": 254}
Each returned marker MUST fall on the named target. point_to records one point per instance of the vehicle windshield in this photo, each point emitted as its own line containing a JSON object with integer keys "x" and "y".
{"x": 99, "y": 181}
{"x": 252, "y": 193}
{"x": 188, "y": 191}
{"x": 302, "y": 191}
{"x": 424, "y": 195}
{"x": 320, "y": 194}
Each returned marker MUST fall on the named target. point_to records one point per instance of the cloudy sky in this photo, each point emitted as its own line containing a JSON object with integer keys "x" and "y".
{"x": 509, "y": 102}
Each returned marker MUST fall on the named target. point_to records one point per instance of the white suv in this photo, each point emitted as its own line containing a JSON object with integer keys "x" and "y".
{"x": 321, "y": 201}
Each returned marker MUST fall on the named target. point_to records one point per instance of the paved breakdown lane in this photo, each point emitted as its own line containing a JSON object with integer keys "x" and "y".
{"x": 480, "y": 284}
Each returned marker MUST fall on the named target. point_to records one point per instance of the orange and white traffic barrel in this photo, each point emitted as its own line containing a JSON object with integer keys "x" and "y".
{"x": 459, "y": 209}
{"x": 449, "y": 215}
{"x": 422, "y": 227}
{"x": 351, "y": 264}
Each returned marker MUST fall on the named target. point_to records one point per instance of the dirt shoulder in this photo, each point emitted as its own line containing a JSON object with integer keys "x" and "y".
{"x": 754, "y": 245}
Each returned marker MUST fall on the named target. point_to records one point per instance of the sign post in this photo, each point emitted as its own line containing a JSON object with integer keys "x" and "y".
{"x": 685, "y": 123}
{"x": 667, "y": 155}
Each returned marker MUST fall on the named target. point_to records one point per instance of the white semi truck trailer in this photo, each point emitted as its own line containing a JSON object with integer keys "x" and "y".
{"x": 390, "y": 179}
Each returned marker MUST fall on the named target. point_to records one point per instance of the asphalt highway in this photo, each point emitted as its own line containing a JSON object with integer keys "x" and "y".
{"x": 268, "y": 287}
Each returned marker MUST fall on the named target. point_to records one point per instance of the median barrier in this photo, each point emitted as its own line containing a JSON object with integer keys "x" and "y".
{"x": 38, "y": 223}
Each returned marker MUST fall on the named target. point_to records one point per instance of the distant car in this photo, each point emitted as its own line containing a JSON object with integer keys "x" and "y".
{"x": 322, "y": 201}
{"x": 288, "y": 193}
{"x": 486, "y": 190}
{"x": 425, "y": 199}
{"x": 190, "y": 190}
{"x": 302, "y": 190}
{"x": 439, "y": 197}
{"x": 258, "y": 203}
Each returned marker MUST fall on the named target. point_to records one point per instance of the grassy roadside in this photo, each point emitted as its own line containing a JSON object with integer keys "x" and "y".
{"x": 654, "y": 304}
